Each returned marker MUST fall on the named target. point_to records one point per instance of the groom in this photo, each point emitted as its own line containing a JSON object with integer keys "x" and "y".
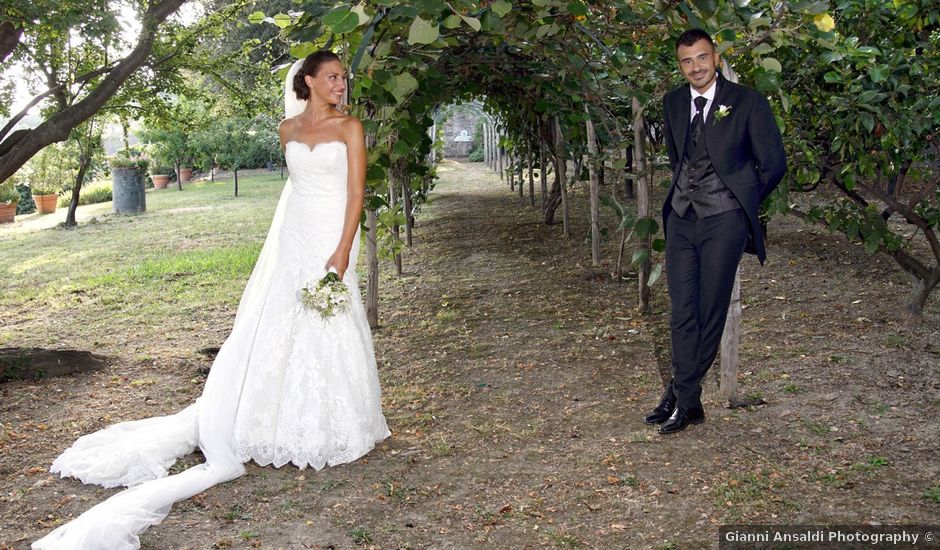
{"x": 727, "y": 156}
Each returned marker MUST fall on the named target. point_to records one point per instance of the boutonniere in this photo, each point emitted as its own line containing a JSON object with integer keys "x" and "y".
{"x": 723, "y": 111}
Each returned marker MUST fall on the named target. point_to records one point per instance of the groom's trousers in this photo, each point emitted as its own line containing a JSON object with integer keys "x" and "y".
{"x": 702, "y": 256}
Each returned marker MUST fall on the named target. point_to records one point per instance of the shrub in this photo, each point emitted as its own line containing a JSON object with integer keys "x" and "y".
{"x": 42, "y": 188}
{"x": 8, "y": 193}
{"x": 476, "y": 155}
{"x": 92, "y": 194}
{"x": 130, "y": 162}
{"x": 26, "y": 204}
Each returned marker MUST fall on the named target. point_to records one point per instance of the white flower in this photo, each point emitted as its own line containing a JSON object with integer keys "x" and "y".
{"x": 723, "y": 111}
{"x": 327, "y": 297}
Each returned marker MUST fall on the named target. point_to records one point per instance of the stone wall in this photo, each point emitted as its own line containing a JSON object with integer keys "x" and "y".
{"x": 458, "y": 134}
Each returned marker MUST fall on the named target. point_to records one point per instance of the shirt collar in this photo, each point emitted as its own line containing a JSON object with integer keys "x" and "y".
{"x": 709, "y": 93}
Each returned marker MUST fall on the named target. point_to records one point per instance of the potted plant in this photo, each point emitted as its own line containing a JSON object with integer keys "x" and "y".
{"x": 185, "y": 175}
{"x": 45, "y": 196}
{"x": 8, "y": 199}
{"x": 160, "y": 175}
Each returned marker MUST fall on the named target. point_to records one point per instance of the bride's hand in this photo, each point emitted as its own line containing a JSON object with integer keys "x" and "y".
{"x": 339, "y": 261}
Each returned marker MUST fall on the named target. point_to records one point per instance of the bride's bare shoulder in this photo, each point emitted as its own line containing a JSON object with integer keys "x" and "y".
{"x": 351, "y": 127}
{"x": 287, "y": 128}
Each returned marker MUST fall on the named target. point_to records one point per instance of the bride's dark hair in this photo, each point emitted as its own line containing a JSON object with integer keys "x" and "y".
{"x": 311, "y": 66}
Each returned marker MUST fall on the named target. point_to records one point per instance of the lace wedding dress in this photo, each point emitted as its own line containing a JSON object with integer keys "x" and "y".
{"x": 286, "y": 386}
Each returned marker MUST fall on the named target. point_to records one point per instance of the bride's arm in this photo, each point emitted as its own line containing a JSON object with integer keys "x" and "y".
{"x": 356, "y": 189}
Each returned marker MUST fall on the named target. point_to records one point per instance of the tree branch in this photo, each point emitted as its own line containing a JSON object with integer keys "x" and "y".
{"x": 907, "y": 210}
{"x": 907, "y": 262}
{"x": 58, "y": 127}
{"x": 19, "y": 116}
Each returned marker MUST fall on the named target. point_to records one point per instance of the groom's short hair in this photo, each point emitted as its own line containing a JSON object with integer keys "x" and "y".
{"x": 692, "y": 36}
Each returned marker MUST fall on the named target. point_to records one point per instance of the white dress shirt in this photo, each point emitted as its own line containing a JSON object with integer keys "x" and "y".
{"x": 709, "y": 95}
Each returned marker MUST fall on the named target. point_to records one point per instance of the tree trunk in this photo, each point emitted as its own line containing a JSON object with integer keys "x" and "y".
{"x": 644, "y": 190}
{"x": 409, "y": 218}
{"x": 372, "y": 261}
{"x": 919, "y": 294}
{"x": 509, "y": 173}
{"x": 394, "y": 184}
{"x": 517, "y": 168}
{"x": 543, "y": 173}
{"x": 528, "y": 150}
{"x": 179, "y": 177}
{"x": 235, "y": 171}
{"x": 561, "y": 167}
{"x": 501, "y": 160}
{"x": 553, "y": 201}
{"x": 628, "y": 191}
{"x": 595, "y": 191}
{"x": 84, "y": 162}
{"x": 618, "y": 272}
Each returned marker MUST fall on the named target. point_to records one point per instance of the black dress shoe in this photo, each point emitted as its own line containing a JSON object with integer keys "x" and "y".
{"x": 681, "y": 418}
{"x": 662, "y": 411}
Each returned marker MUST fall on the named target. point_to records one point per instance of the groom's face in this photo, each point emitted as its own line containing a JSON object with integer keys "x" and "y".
{"x": 698, "y": 63}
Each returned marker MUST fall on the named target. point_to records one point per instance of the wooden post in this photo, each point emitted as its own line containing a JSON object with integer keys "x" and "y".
{"x": 509, "y": 172}
{"x": 501, "y": 159}
{"x": 595, "y": 190}
{"x": 394, "y": 184}
{"x": 518, "y": 166}
{"x": 406, "y": 205}
{"x": 562, "y": 170}
{"x": 528, "y": 150}
{"x": 372, "y": 258}
{"x": 486, "y": 144}
{"x": 543, "y": 173}
{"x": 730, "y": 339}
{"x": 643, "y": 193}
{"x": 489, "y": 141}
{"x": 372, "y": 261}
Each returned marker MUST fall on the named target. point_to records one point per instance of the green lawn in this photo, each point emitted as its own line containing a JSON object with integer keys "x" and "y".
{"x": 143, "y": 277}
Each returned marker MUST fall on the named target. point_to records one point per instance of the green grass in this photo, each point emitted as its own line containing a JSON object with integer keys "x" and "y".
{"x": 141, "y": 277}
{"x": 361, "y": 536}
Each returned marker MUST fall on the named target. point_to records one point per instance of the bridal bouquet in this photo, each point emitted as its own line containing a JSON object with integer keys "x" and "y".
{"x": 328, "y": 297}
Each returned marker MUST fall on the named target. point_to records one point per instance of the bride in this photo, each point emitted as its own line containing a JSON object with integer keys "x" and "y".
{"x": 287, "y": 385}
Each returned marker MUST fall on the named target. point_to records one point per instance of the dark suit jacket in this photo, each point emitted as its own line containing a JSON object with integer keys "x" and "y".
{"x": 745, "y": 148}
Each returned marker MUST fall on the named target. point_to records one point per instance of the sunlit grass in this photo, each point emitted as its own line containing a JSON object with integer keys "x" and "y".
{"x": 148, "y": 276}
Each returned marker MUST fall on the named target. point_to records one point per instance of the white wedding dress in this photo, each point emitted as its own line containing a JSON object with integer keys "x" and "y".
{"x": 286, "y": 386}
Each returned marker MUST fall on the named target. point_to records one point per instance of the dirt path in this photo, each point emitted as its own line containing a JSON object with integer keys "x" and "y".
{"x": 515, "y": 380}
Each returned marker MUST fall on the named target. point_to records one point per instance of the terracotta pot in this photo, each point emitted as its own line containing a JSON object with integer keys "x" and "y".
{"x": 160, "y": 181}
{"x": 186, "y": 174}
{"x": 46, "y": 204}
{"x": 7, "y": 212}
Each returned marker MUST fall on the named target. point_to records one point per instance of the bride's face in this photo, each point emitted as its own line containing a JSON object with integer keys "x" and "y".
{"x": 329, "y": 83}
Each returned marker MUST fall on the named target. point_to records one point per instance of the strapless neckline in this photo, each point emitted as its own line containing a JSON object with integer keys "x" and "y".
{"x": 315, "y": 146}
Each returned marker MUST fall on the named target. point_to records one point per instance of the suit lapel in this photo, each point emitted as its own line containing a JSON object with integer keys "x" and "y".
{"x": 683, "y": 116}
{"x": 720, "y": 91}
